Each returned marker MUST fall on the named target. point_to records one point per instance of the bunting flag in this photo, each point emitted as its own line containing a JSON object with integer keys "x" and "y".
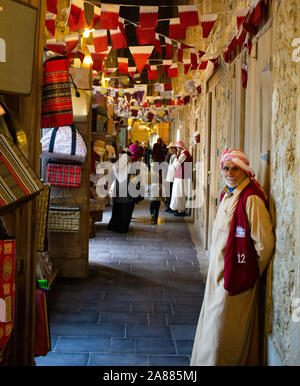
{"x": 248, "y": 43}
{"x": 148, "y": 17}
{"x": 241, "y": 16}
{"x": 117, "y": 39}
{"x": 186, "y": 65}
{"x": 74, "y": 15}
{"x": 122, "y": 28}
{"x": 179, "y": 53}
{"x": 201, "y": 53}
{"x": 194, "y": 58}
{"x": 50, "y": 23}
{"x": 55, "y": 46}
{"x": 71, "y": 42}
{"x": 176, "y": 30}
{"x": 109, "y": 18}
{"x": 152, "y": 74}
{"x": 110, "y": 70}
{"x": 203, "y": 65}
{"x": 168, "y": 87}
{"x": 244, "y": 75}
{"x": 173, "y": 71}
{"x": 188, "y": 15}
{"x": 123, "y": 65}
{"x": 145, "y": 36}
{"x": 256, "y": 14}
{"x": 241, "y": 36}
{"x": 132, "y": 71}
{"x": 216, "y": 62}
{"x": 207, "y": 23}
{"x": 52, "y": 6}
{"x": 96, "y": 18}
{"x": 141, "y": 55}
{"x": 100, "y": 40}
{"x": 82, "y": 23}
{"x": 89, "y": 12}
{"x": 186, "y": 99}
{"x": 227, "y": 53}
{"x": 166, "y": 65}
{"x": 98, "y": 57}
{"x": 157, "y": 45}
{"x": 169, "y": 48}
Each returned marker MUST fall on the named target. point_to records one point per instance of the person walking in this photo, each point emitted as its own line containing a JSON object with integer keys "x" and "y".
{"x": 242, "y": 245}
{"x": 181, "y": 179}
{"x": 170, "y": 175}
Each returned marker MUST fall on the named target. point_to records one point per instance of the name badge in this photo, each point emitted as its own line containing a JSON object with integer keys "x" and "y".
{"x": 240, "y": 232}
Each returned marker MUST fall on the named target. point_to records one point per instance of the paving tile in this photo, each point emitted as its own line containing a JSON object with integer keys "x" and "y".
{"x": 61, "y": 359}
{"x": 65, "y": 317}
{"x": 122, "y": 345}
{"x": 148, "y": 332}
{"x": 155, "y": 346}
{"x": 124, "y": 318}
{"x": 183, "y": 332}
{"x": 118, "y": 360}
{"x": 184, "y": 347}
{"x": 142, "y": 307}
{"x": 161, "y": 360}
{"x": 79, "y": 344}
{"x": 87, "y": 329}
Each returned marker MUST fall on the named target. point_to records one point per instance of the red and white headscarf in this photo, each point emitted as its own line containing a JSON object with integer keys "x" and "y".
{"x": 239, "y": 158}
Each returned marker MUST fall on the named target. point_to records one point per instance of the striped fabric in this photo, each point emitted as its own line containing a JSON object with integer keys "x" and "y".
{"x": 67, "y": 175}
{"x": 42, "y": 204}
{"x": 56, "y": 93}
{"x": 17, "y": 179}
{"x": 64, "y": 218}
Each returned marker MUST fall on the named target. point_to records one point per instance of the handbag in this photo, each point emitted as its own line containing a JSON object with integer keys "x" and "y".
{"x": 81, "y": 105}
{"x": 18, "y": 182}
{"x": 64, "y": 142}
{"x": 56, "y": 93}
{"x": 64, "y": 218}
{"x": 61, "y": 173}
{"x": 7, "y": 289}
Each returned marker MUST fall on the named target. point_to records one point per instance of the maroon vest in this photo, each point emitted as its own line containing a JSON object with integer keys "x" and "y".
{"x": 241, "y": 268}
{"x": 179, "y": 173}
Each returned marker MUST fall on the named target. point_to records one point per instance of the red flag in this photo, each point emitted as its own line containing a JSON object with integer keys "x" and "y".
{"x": 71, "y": 42}
{"x": 176, "y": 30}
{"x": 132, "y": 71}
{"x": 186, "y": 99}
{"x": 201, "y": 53}
{"x": 194, "y": 58}
{"x": 257, "y": 14}
{"x": 117, "y": 39}
{"x": 98, "y": 57}
{"x": 203, "y": 65}
{"x": 110, "y": 70}
{"x": 123, "y": 65}
{"x": 122, "y": 28}
{"x": 50, "y": 23}
{"x": 227, "y": 53}
{"x": 100, "y": 40}
{"x": 241, "y": 36}
{"x": 74, "y": 15}
{"x": 168, "y": 87}
{"x": 173, "y": 71}
{"x": 148, "y": 17}
{"x": 244, "y": 75}
{"x": 157, "y": 45}
{"x": 241, "y": 16}
{"x": 169, "y": 48}
{"x": 52, "y": 6}
{"x": 166, "y": 65}
{"x": 96, "y": 17}
{"x": 207, "y": 23}
{"x": 187, "y": 65}
{"x": 145, "y": 36}
{"x": 216, "y": 62}
{"x": 179, "y": 53}
{"x": 152, "y": 74}
{"x": 109, "y": 18}
{"x": 141, "y": 55}
{"x": 188, "y": 15}
{"x": 55, "y": 46}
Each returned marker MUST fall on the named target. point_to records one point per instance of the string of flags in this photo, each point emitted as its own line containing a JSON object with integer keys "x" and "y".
{"x": 109, "y": 33}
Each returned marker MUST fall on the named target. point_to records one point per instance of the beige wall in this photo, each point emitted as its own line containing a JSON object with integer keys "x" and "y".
{"x": 283, "y": 275}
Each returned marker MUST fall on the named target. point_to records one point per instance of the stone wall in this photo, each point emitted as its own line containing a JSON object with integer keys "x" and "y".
{"x": 283, "y": 275}
{"x": 284, "y": 178}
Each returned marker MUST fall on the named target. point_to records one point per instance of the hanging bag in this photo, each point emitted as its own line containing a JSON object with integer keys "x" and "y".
{"x": 64, "y": 143}
{"x": 64, "y": 173}
{"x": 56, "y": 93}
{"x": 64, "y": 218}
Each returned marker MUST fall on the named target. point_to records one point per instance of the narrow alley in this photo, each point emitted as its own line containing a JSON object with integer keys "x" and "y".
{"x": 139, "y": 305}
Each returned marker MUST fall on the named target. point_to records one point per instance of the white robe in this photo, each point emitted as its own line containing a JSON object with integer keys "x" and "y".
{"x": 180, "y": 187}
{"x": 227, "y": 331}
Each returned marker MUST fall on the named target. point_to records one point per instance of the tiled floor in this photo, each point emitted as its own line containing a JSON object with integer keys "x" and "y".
{"x": 140, "y": 304}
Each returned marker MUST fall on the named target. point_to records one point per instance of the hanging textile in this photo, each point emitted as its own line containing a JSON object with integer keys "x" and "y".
{"x": 109, "y": 17}
{"x": 141, "y": 55}
{"x": 148, "y": 17}
{"x": 100, "y": 40}
{"x": 117, "y": 39}
{"x": 188, "y": 15}
{"x": 50, "y": 23}
{"x": 207, "y": 23}
{"x": 176, "y": 30}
